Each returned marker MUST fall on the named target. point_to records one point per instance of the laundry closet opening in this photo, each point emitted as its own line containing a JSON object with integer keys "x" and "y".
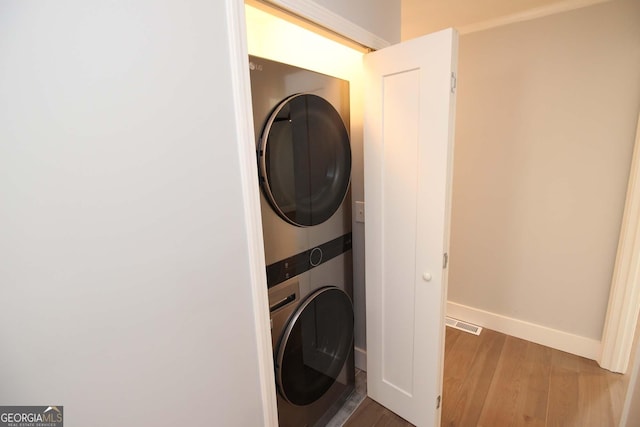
{"x": 271, "y": 36}
{"x": 307, "y": 115}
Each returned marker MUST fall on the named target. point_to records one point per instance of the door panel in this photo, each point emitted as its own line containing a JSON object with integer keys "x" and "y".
{"x": 408, "y": 153}
{"x": 401, "y": 105}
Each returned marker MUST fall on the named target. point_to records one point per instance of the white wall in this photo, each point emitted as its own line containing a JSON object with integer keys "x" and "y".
{"x": 545, "y": 128}
{"x": 124, "y": 264}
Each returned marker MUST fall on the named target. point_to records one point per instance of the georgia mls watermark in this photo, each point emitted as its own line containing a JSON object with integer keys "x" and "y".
{"x": 31, "y": 416}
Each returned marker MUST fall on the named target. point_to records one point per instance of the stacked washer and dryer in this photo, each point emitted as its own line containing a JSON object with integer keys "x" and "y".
{"x": 304, "y": 161}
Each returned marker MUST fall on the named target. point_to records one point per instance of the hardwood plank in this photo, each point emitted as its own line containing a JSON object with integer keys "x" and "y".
{"x": 458, "y": 362}
{"x": 617, "y": 389}
{"x": 563, "y": 390}
{"x": 563, "y": 398}
{"x": 450, "y": 338}
{"x": 495, "y": 380}
{"x": 389, "y": 419}
{"x": 461, "y": 353}
{"x": 535, "y": 387}
{"x": 594, "y": 399}
{"x": 368, "y": 414}
{"x": 462, "y": 407}
{"x": 501, "y": 406}
{"x": 564, "y": 360}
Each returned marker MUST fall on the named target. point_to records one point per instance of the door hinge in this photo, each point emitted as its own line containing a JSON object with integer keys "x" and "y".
{"x": 445, "y": 260}
{"x": 438, "y": 402}
{"x": 454, "y": 82}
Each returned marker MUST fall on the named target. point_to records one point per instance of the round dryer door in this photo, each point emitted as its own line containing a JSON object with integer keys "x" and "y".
{"x": 305, "y": 160}
{"x": 314, "y": 346}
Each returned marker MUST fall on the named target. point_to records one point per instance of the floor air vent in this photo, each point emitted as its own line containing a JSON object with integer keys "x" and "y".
{"x": 463, "y": 326}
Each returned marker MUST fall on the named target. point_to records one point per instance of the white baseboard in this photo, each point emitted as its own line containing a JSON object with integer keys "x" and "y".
{"x": 360, "y": 357}
{"x": 574, "y": 344}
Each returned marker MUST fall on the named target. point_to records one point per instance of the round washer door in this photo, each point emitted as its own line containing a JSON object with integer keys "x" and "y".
{"x": 314, "y": 346}
{"x": 305, "y": 160}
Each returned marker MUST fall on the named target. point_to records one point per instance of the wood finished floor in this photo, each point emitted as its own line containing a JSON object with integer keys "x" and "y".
{"x": 495, "y": 380}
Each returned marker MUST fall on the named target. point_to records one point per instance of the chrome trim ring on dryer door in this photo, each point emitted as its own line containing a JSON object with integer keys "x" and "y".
{"x": 314, "y": 346}
{"x": 305, "y": 160}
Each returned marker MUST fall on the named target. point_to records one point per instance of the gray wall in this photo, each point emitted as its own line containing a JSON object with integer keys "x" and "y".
{"x": 546, "y": 118}
{"x": 380, "y": 17}
{"x": 123, "y": 257}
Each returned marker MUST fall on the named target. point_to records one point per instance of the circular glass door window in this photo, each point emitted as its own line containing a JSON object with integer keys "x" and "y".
{"x": 305, "y": 160}
{"x": 315, "y": 346}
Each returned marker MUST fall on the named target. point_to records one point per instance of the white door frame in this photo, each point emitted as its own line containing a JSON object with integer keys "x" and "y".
{"x": 624, "y": 297}
{"x": 237, "y": 32}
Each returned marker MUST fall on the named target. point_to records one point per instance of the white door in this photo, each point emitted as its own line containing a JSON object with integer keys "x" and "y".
{"x": 408, "y": 153}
